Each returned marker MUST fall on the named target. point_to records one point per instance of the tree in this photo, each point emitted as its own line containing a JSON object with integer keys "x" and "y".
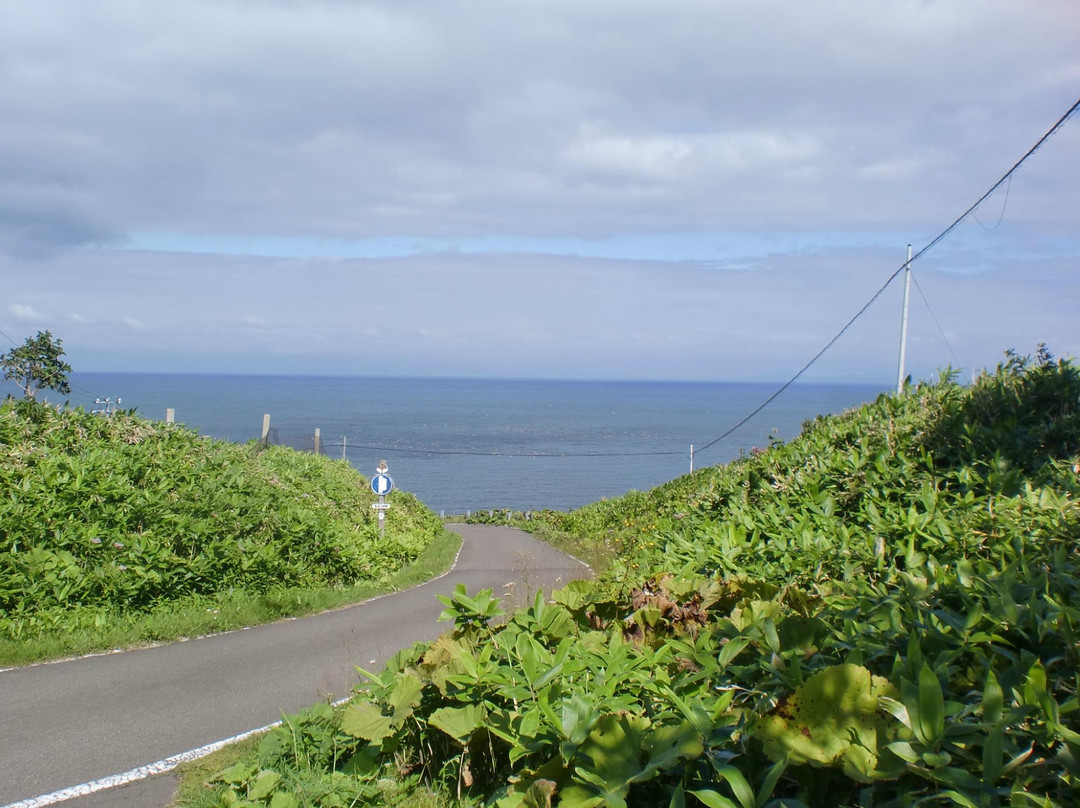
{"x": 37, "y": 364}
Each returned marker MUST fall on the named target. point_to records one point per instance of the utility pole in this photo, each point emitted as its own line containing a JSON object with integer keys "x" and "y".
{"x": 107, "y": 406}
{"x": 903, "y": 324}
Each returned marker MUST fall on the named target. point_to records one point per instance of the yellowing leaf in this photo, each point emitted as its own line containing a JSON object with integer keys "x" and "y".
{"x": 831, "y": 719}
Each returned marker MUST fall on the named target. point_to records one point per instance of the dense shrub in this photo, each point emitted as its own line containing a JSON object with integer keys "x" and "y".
{"x": 120, "y": 513}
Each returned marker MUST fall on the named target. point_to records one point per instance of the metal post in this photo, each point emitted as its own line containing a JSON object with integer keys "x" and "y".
{"x": 266, "y": 429}
{"x": 344, "y": 443}
{"x": 318, "y": 442}
{"x": 691, "y": 458}
{"x": 903, "y": 324}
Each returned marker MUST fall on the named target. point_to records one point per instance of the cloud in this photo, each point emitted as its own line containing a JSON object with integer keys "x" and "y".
{"x": 689, "y": 189}
{"x": 26, "y": 314}
{"x": 463, "y": 119}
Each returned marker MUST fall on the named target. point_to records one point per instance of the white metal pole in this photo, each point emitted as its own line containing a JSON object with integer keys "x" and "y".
{"x": 691, "y": 458}
{"x": 903, "y": 324}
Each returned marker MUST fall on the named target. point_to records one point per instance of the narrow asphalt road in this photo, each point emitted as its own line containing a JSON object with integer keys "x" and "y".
{"x": 68, "y": 723}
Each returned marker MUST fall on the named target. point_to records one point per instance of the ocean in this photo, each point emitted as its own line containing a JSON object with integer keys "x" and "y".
{"x": 471, "y": 444}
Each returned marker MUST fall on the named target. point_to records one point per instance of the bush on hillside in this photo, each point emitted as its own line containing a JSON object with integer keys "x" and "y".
{"x": 120, "y": 513}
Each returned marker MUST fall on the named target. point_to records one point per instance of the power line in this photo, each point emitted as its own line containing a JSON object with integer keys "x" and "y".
{"x": 942, "y": 235}
{"x": 935, "y": 319}
{"x": 412, "y": 450}
{"x": 1038, "y": 144}
{"x": 807, "y": 366}
{"x": 1001, "y": 215}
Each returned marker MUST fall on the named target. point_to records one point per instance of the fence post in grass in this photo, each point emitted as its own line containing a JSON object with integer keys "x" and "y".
{"x": 344, "y": 443}
{"x": 170, "y": 416}
{"x": 317, "y": 441}
{"x": 265, "y": 439}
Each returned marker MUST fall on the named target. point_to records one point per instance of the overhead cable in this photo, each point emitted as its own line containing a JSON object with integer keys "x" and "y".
{"x": 942, "y": 235}
{"x": 1049, "y": 133}
{"x": 935, "y": 319}
{"x": 412, "y": 450}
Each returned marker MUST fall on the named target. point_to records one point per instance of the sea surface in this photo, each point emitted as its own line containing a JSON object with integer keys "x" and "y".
{"x": 471, "y": 444}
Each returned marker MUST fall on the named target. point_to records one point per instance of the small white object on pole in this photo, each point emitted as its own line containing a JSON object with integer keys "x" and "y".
{"x": 903, "y": 324}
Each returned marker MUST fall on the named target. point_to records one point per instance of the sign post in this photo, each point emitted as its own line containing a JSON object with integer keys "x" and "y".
{"x": 382, "y": 484}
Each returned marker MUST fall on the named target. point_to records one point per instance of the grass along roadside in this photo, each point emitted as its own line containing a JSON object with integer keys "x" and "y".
{"x": 99, "y": 630}
{"x": 200, "y": 786}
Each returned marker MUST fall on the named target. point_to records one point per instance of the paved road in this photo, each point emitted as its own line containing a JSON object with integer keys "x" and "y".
{"x": 73, "y": 722}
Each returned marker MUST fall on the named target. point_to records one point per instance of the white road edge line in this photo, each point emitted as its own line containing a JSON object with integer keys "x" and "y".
{"x": 142, "y": 772}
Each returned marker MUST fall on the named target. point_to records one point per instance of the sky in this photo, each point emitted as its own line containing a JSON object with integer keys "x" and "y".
{"x": 691, "y": 190}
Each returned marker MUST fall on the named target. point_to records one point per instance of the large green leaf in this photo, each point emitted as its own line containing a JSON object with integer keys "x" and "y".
{"x": 264, "y": 785}
{"x": 404, "y": 696}
{"x": 831, "y": 719}
{"x": 458, "y": 722}
{"x": 366, "y": 720}
{"x": 373, "y": 722}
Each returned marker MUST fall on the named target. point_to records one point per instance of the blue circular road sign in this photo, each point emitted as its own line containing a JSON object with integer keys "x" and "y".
{"x": 381, "y": 484}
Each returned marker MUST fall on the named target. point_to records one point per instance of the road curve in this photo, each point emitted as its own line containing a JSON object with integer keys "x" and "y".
{"x": 67, "y": 723}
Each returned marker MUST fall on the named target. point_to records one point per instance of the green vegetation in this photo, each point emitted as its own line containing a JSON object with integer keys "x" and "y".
{"x": 37, "y": 364}
{"x": 883, "y": 612}
{"x": 117, "y": 531}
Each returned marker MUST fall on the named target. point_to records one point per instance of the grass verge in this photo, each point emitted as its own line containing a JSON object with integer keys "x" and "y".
{"x": 93, "y": 630}
{"x": 195, "y": 789}
{"x": 199, "y": 786}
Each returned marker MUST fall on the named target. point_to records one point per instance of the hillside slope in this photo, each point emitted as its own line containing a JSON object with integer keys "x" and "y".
{"x": 105, "y": 517}
{"x": 883, "y": 612}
